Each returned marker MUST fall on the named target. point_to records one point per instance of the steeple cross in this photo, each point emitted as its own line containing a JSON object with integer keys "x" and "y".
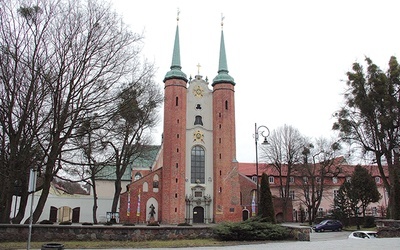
{"x": 198, "y": 68}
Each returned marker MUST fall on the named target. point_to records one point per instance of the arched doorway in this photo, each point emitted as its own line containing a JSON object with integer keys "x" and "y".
{"x": 245, "y": 215}
{"x": 198, "y": 215}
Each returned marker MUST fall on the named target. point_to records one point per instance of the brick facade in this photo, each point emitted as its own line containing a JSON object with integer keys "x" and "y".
{"x": 174, "y": 152}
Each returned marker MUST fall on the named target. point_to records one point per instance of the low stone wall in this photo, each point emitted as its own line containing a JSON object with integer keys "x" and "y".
{"x": 118, "y": 232}
{"x": 388, "y": 228}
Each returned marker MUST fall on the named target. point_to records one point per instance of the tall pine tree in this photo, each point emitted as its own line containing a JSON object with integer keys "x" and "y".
{"x": 266, "y": 207}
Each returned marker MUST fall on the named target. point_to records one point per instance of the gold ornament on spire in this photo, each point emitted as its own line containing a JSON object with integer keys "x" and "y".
{"x": 177, "y": 14}
{"x": 222, "y": 20}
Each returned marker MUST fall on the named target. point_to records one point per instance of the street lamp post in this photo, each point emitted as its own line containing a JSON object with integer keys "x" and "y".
{"x": 265, "y": 142}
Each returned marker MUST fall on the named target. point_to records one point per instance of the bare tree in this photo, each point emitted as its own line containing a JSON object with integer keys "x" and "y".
{"x": 318, "y": 165}
{"x": 283, "y": 153}
{"x": 89, "y": 157}
{"x": 73, "y": 53}
{"x": 23, "y": 104}
{"x": 136, "y": 114}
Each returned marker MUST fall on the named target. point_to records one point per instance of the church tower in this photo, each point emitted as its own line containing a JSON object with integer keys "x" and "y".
{"x": 174, "y": 141}
{"x": 226, "y": 179}
{"x": 200, "y": 181}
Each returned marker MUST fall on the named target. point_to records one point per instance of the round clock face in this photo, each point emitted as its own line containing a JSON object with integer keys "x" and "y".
{"x": 198, "y": 136}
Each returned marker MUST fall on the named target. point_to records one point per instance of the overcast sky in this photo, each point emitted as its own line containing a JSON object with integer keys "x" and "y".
{"x": 289, "y": 58}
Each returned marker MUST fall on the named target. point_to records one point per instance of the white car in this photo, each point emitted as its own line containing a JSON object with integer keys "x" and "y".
{"x": 363, "y": 235}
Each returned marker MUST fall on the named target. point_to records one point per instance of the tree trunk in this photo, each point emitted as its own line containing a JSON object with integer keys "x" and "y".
{"x": 94, "y": 200}
{"x": 6, "y": 201}
{"x": 22, "y": 208}
{"x": 117, "y": 192}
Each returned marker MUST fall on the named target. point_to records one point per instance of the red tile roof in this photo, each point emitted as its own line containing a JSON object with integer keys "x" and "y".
{"x": 249, "y": 169}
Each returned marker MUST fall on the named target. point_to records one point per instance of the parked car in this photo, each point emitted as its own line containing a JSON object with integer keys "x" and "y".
{"x": 331, "y": 225}
{"x": 363, "y": 235}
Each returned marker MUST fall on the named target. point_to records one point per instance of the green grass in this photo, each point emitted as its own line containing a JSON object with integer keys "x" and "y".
{"x": 125, "y": 244}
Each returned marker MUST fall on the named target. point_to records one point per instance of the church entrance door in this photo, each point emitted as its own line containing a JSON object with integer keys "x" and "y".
{"x": 198, "y": 215}
{"x": 245, "y": 215}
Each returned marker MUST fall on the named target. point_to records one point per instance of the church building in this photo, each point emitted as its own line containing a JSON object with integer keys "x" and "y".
{"x": 194, "y": 178}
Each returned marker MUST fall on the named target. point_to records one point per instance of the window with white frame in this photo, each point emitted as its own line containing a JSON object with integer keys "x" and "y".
{"x": 291, "y": 179}
{"x": 254, "y": 178}
{"x": 335, "y": 193}
{"x": 271, "y": 179}
{"x": 334, "y": 180}
{"x": 378, "y": 179}
{"x": 305, "y": 179}
{"x": 291, "y": 194}
{"x": 348, "y": 179}
{"x": 374, "y": 211}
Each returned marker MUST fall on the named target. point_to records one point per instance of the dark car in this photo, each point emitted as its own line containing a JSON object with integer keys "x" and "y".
{"x": 331, "y": 225}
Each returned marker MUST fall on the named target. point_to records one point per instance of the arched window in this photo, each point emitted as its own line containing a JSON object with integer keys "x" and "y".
{"x": 145, "y": 187}
{"x": 155, "y": 183}
{"x": 198, "y": 165}
{"x": 137, "y": 176}
{"x": 198, "y": 120}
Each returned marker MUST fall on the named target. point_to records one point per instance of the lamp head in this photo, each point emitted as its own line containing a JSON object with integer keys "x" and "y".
{"x": 265, "y": 142}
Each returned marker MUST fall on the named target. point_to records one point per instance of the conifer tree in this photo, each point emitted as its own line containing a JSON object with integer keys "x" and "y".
{"x": 266, "y": 207}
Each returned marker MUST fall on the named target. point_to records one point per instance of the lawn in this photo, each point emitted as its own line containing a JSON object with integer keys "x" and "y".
{"x": 124, "y": 244}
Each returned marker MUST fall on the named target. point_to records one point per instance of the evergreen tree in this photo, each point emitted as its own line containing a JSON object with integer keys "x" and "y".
{"x": 356, "y": 195}
{"x": 266, "y": 207}
{"x": 364, "y": 188}
{"x": 370, "y": 118}
{"x": 342, "y": 203}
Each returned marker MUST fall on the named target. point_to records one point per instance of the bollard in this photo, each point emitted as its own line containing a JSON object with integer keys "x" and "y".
{"x": 52, "y": 246}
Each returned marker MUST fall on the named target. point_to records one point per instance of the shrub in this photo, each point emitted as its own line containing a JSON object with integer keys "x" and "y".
{"x": 65, "y": 223}
{"x": 128, "y": 224}
{"x": 184, "y": 224}
{"x": 369, "y": 221}
{"x": 108, "y": 223}
{"x": 46, "y": 222}
{"x": 250, "y": 230}
{"x": 153, "y": 224}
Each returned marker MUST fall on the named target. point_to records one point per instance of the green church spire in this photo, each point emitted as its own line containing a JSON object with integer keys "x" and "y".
{"x": 223, "y": 76}
{"x": 175, "y": 72}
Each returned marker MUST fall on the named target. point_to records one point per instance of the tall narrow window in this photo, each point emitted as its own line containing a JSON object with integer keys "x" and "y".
{"x": 176, "y": 101}
{"x": 198, "y": 120}
{"x": 226, "y": 105}
{"x": 198, "y": 165}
